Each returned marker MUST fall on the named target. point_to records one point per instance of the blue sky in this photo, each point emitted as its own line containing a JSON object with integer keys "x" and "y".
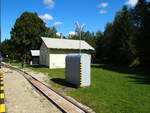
{"x": 62, "y": 13}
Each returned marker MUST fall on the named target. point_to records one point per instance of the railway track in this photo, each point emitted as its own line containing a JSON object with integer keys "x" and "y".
{"x": 60, "y": 101}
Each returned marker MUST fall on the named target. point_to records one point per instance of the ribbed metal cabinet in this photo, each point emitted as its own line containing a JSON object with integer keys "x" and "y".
{"x": 78, "y": 69}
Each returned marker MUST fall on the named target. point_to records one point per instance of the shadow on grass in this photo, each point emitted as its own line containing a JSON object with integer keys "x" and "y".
{"x": 142, "y": 75}
{"x": 62, "y": 82}
{"x": 36, "y": 66}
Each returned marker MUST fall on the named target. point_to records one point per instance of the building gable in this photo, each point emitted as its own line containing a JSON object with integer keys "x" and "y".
{"x": 43, "y": 49}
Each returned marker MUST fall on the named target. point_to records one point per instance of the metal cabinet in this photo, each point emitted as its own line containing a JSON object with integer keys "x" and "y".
{"x": 78, "y": 69}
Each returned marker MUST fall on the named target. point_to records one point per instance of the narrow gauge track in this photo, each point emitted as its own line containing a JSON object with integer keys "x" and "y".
{"x": 60, "y": 101}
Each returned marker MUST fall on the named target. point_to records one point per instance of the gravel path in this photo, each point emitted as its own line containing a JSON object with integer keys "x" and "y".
{"x": 21, "y": 97}
{"x": 43, "y": 77}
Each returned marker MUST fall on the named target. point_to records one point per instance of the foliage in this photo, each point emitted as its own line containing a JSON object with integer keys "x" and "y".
{"x": 126, "y": 39}
{"x": 121, "y": 39}
{"x": 115, "y": 45}
{"x": 104, "y": 44}
{"x": 7, "y": 47}
{"x": 51, "y": 32}
{"x": 141, "y": 15}
{"x": 26, "y": 35}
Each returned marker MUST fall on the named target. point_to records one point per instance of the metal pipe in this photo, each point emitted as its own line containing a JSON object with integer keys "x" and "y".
{"x": 80, "y": 44}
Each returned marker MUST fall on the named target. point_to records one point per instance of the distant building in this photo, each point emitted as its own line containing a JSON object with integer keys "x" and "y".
{"x": 35, "y": 57}
{"x": 53, "y": 51}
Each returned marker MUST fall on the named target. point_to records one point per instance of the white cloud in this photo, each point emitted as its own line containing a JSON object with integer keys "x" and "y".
{"x": 72, "y": 33}
{"x": 46, "y": 17}
{"x": 57, "y": 23}
{"x": 132, "y": 2}
{"x": 103, "y": 11}
{"x": 49, "y": 3}
{"x": 102, "y": 5}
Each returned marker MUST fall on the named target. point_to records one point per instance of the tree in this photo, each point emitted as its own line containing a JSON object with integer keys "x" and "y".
{"x": 98, "y": 47}
{"x": 26, "y": 34}
{"x": 87, "y": 36}
{"x": 107, "y": 44}
{"x": 141, "y": 14}
{"x": 122, "y": 46}
{"x": 51, "y": 32}
{"x": 116, "y": 45}
{"x": 5, "y": 47}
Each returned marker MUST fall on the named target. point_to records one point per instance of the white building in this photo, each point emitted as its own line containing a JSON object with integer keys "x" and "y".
{"x": 53, "y": 51}
{"x": 35, "y": 57}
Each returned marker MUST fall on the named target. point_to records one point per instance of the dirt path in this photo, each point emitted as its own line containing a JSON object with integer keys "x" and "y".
{"x": 43, "y": 77}
{"x": 21, "y": 97}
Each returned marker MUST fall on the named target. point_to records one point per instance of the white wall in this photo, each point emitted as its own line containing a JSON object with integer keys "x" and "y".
{"x": 57, "y": 60}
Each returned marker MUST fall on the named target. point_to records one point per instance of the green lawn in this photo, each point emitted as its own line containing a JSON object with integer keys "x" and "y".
{"x": 113, "y": 89}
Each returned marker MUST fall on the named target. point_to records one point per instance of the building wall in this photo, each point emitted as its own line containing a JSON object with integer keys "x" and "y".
{"x": 57, "y": 60}
{"x": 35, "y": 60}
{"x": 44, "y": 55}
{"x": 58, "y": 57}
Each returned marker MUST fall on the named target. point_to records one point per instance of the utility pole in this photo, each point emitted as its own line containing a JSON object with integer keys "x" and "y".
{"x": 79, "y": 29}
{"x": 0, "y": 22}
{"x": 0, "y": 35}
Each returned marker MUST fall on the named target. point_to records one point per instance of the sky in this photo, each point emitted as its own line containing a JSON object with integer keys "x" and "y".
{"x": 63, "y": 13}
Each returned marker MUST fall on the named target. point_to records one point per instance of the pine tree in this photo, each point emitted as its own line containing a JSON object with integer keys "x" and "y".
{"x": 26, "y": 34}
{"x": 116, "y": 45}
{"x": 141, "y": 14}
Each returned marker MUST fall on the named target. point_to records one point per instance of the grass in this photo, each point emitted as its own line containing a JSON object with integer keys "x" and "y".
{"x": 113, "y": 89}
{"x": 52, "y": 73}
{"x": 14, "y": 64}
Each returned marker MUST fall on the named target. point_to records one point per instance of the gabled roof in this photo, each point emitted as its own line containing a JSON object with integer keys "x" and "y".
{"x": 35, "y": 52}
{"x": 55, "y": 43}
